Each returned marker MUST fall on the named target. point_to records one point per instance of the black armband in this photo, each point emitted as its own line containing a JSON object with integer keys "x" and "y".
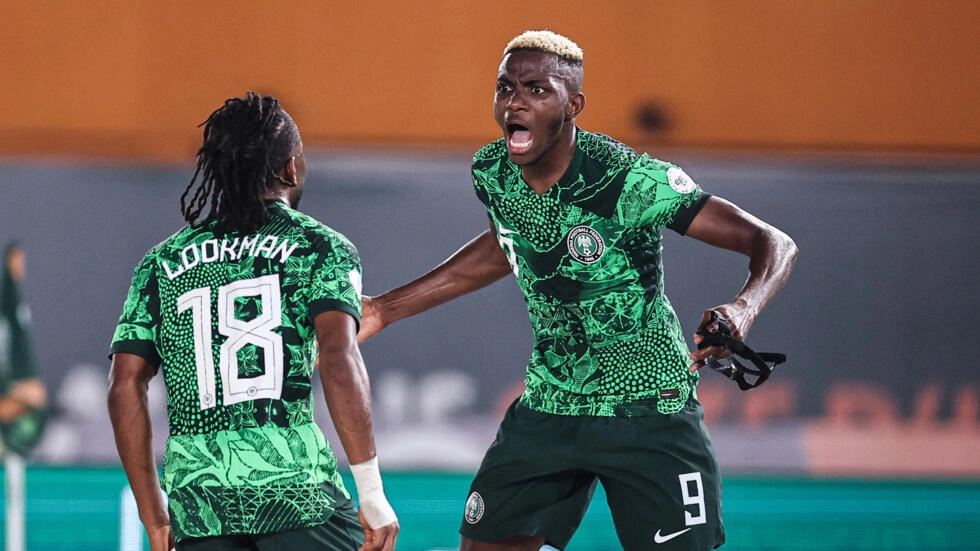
{"x": 682, "y": 220}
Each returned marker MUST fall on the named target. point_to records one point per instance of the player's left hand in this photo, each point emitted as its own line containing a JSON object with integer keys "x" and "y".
{"x": 380, "y": 539}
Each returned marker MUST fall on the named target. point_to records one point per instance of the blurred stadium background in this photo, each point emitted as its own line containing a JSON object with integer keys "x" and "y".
{"x": 854, "y": 126}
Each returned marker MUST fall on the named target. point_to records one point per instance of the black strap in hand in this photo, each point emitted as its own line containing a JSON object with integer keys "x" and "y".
{"x": 721, "y": 335}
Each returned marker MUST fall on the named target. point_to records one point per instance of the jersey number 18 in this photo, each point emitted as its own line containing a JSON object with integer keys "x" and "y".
{"x": 258, "y": 331}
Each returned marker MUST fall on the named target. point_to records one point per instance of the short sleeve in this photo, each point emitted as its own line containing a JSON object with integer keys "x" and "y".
{"x": 662, "y": 194}
{"x": 489, "y": 165}
{"x": 336, "y": 278}
{"x": 137, "y": 330}
{"x": 686, "y": 215}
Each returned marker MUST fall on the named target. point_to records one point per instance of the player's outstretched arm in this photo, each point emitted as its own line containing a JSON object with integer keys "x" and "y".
{"x": 771, "y": 254}
{"x": 127, "y": 401}
{"x": 347, "y": 391}
{"x": 475, "y": 265}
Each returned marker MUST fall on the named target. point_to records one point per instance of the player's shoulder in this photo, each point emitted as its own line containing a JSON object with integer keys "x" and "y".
{"x": 605, "y": 150}
{"x": 314, "y": 230}
{"x": 616, "y": 154}
{"x": 490, "y": 153}
{"x": 667, "y": 173}
{"x": 174, "y": 242}
{"x": 492, "y": 168}
{"x": 653, "y": 163}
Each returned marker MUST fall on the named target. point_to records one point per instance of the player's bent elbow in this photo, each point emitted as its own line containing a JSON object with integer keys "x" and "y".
{"x": 788, "y": 247}
{"x": 777, "y": 244}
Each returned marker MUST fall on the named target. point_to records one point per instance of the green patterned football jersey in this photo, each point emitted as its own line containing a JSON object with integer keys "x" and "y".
{"x": 587, "y": 255}
{"x": 230, "y": 319}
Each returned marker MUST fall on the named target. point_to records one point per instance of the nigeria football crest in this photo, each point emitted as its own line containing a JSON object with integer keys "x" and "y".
{"x": 585, "y": 244}
{"x": 474, "y": 508}
{"x": 679, "y": 181}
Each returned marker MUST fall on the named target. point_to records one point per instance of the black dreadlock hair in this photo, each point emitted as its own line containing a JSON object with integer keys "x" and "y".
{"x": 246, "y": 142}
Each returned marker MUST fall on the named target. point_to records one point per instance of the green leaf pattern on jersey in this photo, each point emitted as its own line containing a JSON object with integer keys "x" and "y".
{"x": 257, "y": 465}
{"x": 258, "y": 476}
{"x": 137, "y": 320}
{"x": 607, "y": 341}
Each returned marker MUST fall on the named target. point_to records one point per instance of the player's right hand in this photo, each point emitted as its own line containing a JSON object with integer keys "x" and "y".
{"x": 372, "y": 322}
{"x": 378, "y": 539}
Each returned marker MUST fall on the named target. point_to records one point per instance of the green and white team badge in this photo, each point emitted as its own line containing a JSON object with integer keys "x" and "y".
{"x": 474, "y": 509}
{"x": 679, "y": 181}
{"x": 585, "y": 244}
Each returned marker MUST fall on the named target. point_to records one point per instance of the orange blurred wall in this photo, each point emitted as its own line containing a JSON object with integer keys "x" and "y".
{"x": 134, "y": 78}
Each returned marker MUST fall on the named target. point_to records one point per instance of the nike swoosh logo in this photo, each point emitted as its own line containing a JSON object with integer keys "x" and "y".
{"x": 657, "y": 538}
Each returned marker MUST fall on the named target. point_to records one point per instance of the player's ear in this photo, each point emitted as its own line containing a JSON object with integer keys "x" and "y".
{"x": 289, "y": 173}
{"x": 576, "y": 102}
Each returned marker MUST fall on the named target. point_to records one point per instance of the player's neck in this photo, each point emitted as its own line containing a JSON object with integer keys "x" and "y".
{"x": 280, "y": 195}
{"x": 546, "y": 171}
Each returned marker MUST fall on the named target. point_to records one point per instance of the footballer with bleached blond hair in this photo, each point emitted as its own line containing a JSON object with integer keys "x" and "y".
{"x": 609, "y": 397}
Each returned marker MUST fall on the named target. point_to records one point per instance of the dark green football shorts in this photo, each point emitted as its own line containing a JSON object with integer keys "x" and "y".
{"x": 341, "y": 532}
{"x": 658, "y": 471}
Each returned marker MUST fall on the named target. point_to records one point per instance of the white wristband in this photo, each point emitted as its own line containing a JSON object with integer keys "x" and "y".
{"x": 370, "y": 494}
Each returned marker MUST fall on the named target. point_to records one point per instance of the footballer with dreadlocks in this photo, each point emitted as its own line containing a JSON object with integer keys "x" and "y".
{"x": 236, "y": 308}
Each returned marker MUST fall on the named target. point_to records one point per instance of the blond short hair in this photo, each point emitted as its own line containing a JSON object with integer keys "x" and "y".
{"x": 546, "y": 41}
